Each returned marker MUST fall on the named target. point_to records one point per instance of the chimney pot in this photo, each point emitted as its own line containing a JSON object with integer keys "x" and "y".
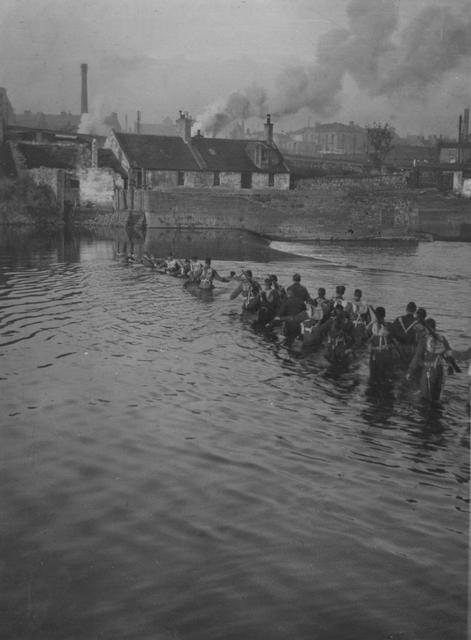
{"x": 268, "y": 130}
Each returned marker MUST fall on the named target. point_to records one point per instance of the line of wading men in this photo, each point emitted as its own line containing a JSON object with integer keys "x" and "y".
{"x": 343, "y": 325}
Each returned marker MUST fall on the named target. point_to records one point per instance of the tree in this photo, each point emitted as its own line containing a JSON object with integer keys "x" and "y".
{"x": 379, "y": 139}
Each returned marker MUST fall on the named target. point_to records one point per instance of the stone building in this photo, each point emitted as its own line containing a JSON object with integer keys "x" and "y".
{"x": 332, "y": 138}
{"x": 79, "y": 173}
{"x": 154, "y": 162}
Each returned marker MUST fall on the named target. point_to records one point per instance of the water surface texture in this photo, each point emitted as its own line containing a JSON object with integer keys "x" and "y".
{"x": 167, "y": 473}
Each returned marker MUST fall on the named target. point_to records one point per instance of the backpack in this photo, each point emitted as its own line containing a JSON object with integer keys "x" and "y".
{"x": 435, "y": 345}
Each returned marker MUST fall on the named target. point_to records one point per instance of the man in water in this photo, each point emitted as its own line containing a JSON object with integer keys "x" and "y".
{"x": 291, "y": 313}
{"x": 298, "y": 290}
{"x": 250, "y": 289}
{"x": 171, "y": 265}
{"x": 403, "y": 331}
{"x": 339, "y": 299}
{"x": 340, "y": 336}
{"x": 381, "y": 343}
{"x": 208, "y": 274}
{"x": 195, "y": 269}
{"x": 280, "y": 291}
{"x": 360, "y": 316}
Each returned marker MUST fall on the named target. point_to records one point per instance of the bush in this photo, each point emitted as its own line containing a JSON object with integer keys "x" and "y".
{"x": 22, "y": 201}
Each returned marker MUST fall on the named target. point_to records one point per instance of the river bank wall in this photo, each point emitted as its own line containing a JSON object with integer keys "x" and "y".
{"x": 341, "y": 210}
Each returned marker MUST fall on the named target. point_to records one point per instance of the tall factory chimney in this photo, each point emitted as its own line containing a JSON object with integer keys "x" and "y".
{"x": 466, "y": 125}
{"x": 84, "y": 96}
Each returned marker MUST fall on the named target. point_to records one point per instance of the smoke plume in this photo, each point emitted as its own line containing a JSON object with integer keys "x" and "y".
{"x": 239, "y": 106}
{"x": 382, "y": 59}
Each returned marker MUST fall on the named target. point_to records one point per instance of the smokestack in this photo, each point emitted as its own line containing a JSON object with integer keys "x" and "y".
{"x": 84, "y": 97}
{"x": 138, "y": 122}
{"x": 268, "y": 130}
{"x": 466, "y": 125}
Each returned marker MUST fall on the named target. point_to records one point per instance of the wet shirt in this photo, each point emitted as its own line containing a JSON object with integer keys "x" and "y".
{"x": 291, "y": 307}
{"x": 403, "y": 329}
{"x": 299, "y": 291}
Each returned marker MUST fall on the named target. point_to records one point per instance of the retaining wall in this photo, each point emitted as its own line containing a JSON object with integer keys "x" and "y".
{"x": 325, "y": 212}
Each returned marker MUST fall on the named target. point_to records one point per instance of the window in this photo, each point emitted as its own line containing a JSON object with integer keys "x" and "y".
{"x": 181, "y": 178}
{"x": 271, "y": 179}
{"x": 246, "y": 180}
{"x": 264, "y": 155}
{"x": 216, "y": 180}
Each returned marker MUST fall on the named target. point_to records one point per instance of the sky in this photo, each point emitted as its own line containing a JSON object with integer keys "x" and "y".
{"x": 407, "y": 62}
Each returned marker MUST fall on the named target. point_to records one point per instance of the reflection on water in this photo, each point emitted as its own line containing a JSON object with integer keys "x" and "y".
{"x": 169, "y": 473}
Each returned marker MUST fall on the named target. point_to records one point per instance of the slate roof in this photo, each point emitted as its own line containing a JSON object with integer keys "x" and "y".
{"x": 165, "y": 153}
{"x": 54, "y": 156}
{"x": 106, "y": 158}
{"x": 220, "y": 154}
{"x": 158, "y": 129}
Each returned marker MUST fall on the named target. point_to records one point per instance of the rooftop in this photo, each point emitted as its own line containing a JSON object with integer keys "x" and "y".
{"x": 157, "y": 152}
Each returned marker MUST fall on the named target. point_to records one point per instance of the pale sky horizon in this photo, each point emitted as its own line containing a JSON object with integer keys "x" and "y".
{"x": 160, "y": 56}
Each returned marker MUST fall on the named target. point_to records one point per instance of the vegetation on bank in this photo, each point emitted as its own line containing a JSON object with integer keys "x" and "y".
{"x": 23, "y": 202}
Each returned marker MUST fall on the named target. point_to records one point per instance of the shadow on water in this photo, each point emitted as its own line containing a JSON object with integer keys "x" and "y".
{"x": 218, "y": 244}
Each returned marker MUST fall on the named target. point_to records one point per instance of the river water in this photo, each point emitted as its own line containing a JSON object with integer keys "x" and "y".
{"x": 167, "y": 473}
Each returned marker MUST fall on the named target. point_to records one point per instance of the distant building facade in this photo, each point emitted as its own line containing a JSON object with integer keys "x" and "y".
{"x": 333, "y": 138}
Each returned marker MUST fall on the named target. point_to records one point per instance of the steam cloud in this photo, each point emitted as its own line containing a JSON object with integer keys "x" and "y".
{"x": 239, "y": 106}
{"x": 382, "y": 60}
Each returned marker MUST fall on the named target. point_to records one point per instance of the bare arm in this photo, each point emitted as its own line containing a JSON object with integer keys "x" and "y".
{"x": 236, "y": 292}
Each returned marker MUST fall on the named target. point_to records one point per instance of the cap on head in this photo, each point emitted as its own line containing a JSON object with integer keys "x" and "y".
{"x": 340, "y": 290}
{"x": 430, "y": 323}
{"x": 358, "y": 293}
{"x": 411, "y": 307}
{"x": 273, "y": 277}
{"x": 297, "y": 277}
{"x": 247, "y": 273}
{"x": 421, "y": 313}
{"x": 321, "y": 291}
{"x": 380, "y": 313}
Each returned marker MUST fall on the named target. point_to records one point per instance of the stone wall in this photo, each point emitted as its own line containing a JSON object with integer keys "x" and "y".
{"x": 205, "y": 179}
{"x": 98, "y": 186}
{"x": 52, "y": 178}
{"x": 278, "y": 214}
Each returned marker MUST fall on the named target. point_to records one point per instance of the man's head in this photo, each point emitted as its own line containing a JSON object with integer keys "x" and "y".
{"x": 296, "y": 277}
{"x": 357, "y": 295}
{"x": 380, "y": 313}
{"x": 421, "y": 314}
{"x": 411, "y": 307}
{"x": 340, "y": 290}
{"x": 207, "y": 261}
{"x": 321, "y": 292}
